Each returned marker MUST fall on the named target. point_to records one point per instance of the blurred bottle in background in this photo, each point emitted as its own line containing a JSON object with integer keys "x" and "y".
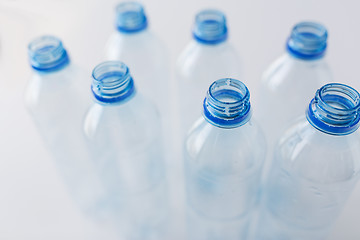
{"x": 208, "y": 56}
{"x": 316, "y": 165}
{"x": 146, "y": 55}
{"x": 289, "y": 83}
{"x": 143, "y": 52}
{"x": 124, "y": 134}
{"x": 57, "y": 99}
{"x": 224, "y": 154}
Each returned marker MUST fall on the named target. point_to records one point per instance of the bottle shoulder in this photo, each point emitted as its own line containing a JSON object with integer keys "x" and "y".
{"x": 203, "y": 51}
{"x": 305, "y": 133}
{"x": 243, "y": 146}
{"x": 124, "y": 44}
{"x": 66, "y": 86}
{"x": 287, "y": 72}
{"x": 213, "y": 61}
{"x": 136, "y": 119}
{"x": 318, "y": 156}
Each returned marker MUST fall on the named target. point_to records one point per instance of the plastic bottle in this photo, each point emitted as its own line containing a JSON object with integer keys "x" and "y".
{"x": 124, "y": 134}
{"x": 143, "y": 52}
{"x": 134, "y": 43}
{"x": 290, "y": 81}
{"x": 57, "y": 100}
{"x": 224, "y": 152}
{"x": 208, "y": 56}
{"x": 316, "y": 166}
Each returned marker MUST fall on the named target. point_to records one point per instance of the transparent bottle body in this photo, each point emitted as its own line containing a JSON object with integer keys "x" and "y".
{"x": 310, "y": 179}
{"x": 126, "y": 146}
{"x": 286, "y": 88}
{"x": 222, "y": 171}
{"x": 57, "y": 102}
{"x": 148, "y": 60}
{"x": 197, "y": 67}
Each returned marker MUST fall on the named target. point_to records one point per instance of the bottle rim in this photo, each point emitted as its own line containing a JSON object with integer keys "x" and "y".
{"x": 47, "y": 53}
{"x": 112, "y": 82}
{"x": 307, "y": 41}
{"x": 210, "y": 27}
{"x": 227, "y": 103}
{"x": 335, "y": 109}
{"x": 130, "y": 17}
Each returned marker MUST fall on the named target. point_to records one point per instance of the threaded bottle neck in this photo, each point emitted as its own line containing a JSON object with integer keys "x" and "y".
{"x": 112, "y": 82}
{"x": 210, "y": 27}
{"x": 335, "y": 109}
{"x": 47, "y": 54}
{"x": 308, "y": 41}
{"x": 227, "y": 103}
{"x": 130, "y": 17}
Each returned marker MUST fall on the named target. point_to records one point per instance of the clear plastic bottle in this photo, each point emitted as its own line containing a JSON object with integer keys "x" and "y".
{"x": 57, "y": 100}
{"x": 289, "y": 83}
{"x": 144, "y": 53}
{"x": 124, "y": 134}
{"x": 224, "y": 153}
{"x": 316, "y": 166}
{"x": 208, "y": 56}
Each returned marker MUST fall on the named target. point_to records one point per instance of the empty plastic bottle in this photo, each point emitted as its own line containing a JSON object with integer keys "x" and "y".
{"x": 208, "y": 56}
{"x": 292, "y": 79}
{"x": 124, "y": 134}
{"x": 316, "y": 166}
{"x": 57, "y": 100}
{"x": 224, "y": 153}
{"x": 143, "y": 52}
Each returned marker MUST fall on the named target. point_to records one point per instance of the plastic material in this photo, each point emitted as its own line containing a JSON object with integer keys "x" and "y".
{"x": 223, "y": 166}
{"x": 57, "y": 99}
{"x": 227, "y": 104}
{"x": 130, "y": 17}
{"x": 112, "y": 83}
{"x": 334, "y": 110}
{"x": 210, "y": 27}
{"x": 47, "y": 54}
{"x": 201, "y": 62}
{"x": 126, "y": 145}
{"x": 290, "y": 82}
{"x": 307, "y": 41}
{"x": 134, "y": 43}
{"x": 315, "y": 168}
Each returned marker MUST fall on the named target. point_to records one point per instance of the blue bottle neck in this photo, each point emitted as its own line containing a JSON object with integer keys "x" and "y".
{"x": 308, "y": 41}
{"x": 227, "y": 104}
{"x": 112, "y": 83}
{"x": 47, "y": 54}
{"x": 130, "y": 18}
{"x": 335, "y": 109}
{"x": 210, "y": 27}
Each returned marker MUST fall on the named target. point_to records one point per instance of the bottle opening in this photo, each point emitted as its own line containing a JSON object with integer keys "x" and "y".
{"x": 47, "y": 53}
{"x": 210, "y": 27}
{"x": 308, "y": 41}
{"x": 112, "y": 82}
{"x": 130, "y": 17}
{"x": 335, "y": 109}
{"x": 227, "y": 103}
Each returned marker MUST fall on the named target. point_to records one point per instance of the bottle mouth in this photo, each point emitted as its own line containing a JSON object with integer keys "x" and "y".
{"x": 112, "y": 82}
{"x": 308, "y": 41}
{"x": 47, "y": 53}
{"x": 130, "y": 17}
{"x": 335, "y": 109}
{"x": 210, "y": 27}
{"x": 227, "y": 103}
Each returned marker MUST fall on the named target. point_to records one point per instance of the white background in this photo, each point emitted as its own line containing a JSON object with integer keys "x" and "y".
{"x": 34, "y": 202}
